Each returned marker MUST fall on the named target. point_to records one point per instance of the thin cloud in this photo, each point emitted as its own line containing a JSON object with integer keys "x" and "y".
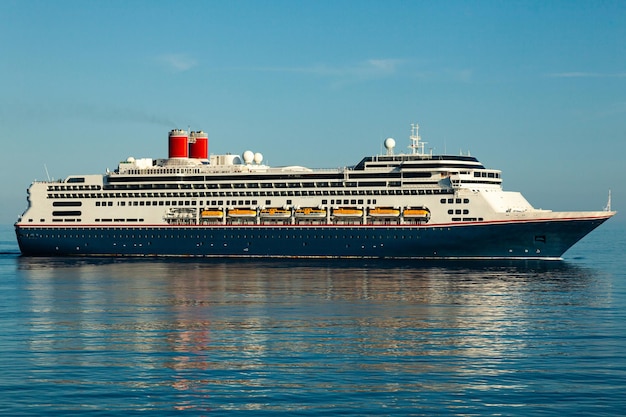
{"x": 177, "y": 62}
{"x": 579, "y": 74}
{"x": 51, "y": 111}
{"x": 462, "y": 75}
{"x": 373, "y": 69}
{"x": 368, "y": 69}
{"x": 365, "y": 71}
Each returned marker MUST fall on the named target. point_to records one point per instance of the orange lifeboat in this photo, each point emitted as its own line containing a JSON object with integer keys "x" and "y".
{"x": 275, "y": 213}
{"x": 239, "y": 213}
{"x": 212, "y": 214}
{"x": 310, "y": 213}
{"x": 416, "y": 213}
{"x": 347, "y": 212}
{"x": 384, "y": 212}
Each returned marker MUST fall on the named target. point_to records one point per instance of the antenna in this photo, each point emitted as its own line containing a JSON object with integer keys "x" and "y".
{"x": 417, "y": 148}
{"x": 47, "y": 174}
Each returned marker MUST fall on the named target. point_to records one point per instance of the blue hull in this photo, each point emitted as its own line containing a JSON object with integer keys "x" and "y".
{"x": 506, "y": 240}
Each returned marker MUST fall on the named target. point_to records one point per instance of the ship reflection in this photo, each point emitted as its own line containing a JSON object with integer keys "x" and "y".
{"x": 209, "y": 327}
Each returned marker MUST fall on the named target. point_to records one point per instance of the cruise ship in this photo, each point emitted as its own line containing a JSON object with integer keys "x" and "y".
{"x": 407, "y": 205}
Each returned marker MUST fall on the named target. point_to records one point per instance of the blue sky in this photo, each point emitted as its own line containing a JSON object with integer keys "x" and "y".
{"x": 535, "y": 88}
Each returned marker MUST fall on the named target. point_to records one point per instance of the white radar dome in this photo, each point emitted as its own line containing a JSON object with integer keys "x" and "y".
{"x": 258, "y": 157}
{"x": 390, "y": 143}
{"x": 248, "y": 157}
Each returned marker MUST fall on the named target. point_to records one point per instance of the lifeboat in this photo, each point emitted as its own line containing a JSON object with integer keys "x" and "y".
{"x": 347, "y": 212}
{"x": 384, "y": 212}
{"x": 416, "y": 213}
{"x": 239, "y": 213}
{"x": 212, "y": 214}
{"x": 275, "y": 213}
{"x": 310, "y": 213}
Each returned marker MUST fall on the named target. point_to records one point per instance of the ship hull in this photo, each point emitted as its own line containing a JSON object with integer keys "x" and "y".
{"x": 536, "y": 239}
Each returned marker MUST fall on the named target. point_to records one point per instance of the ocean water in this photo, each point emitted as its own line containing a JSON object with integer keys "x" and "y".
{"x": 324, "y": 337}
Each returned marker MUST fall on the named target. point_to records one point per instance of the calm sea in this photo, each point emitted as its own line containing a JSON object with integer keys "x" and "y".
{"x": 215, "y": 337}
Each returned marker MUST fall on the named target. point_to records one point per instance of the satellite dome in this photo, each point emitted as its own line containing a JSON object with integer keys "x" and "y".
{"x": 258, "y": 157}
{"x": 248, "y": 157}
{"x": 390, "y": 143}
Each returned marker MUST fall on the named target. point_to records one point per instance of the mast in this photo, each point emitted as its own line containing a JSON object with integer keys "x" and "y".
{"x": 417, "y": 147}
{"x": 608, "y": 203}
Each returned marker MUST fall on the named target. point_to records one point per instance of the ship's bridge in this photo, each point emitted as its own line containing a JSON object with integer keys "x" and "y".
{"x": 479, "y": 178}
{"x": 426, "y": 162}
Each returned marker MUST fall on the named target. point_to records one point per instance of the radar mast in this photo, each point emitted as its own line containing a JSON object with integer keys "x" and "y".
{"x": 417, "y": 147}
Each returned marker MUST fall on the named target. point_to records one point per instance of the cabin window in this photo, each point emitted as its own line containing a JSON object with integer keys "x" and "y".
{"x": 67, "y": 204}
{"x": 66, "y": 213}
